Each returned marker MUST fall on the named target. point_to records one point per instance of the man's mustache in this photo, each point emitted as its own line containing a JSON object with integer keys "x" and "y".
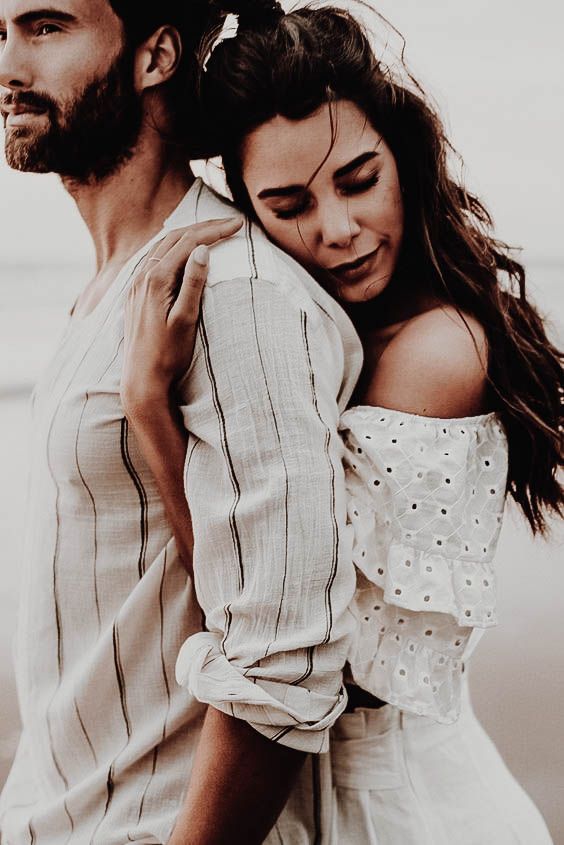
{"x": 40, "y": 102}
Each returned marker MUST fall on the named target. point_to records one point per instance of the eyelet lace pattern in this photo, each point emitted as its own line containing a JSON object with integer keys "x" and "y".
{"x": 426, "y": 499}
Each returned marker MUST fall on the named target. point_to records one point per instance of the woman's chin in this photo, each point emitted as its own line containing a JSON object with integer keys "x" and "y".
{"x": 363, "y": 290}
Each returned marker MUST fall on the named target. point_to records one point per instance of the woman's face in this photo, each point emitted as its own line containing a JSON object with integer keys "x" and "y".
{"x": 345, "y": 224}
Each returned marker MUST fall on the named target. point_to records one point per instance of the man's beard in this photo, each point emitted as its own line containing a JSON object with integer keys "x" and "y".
{"x": 87, "y": 138}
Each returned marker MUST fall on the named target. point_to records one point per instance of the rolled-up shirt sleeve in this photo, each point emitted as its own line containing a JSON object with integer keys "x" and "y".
{"x": 265, "y": 484}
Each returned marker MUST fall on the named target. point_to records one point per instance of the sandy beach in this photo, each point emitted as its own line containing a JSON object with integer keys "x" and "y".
{"x": 517, "y": 674}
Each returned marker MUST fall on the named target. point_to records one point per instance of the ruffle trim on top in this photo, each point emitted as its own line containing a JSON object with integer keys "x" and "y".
{"x": 413, "y": 677}
{"x": 425, "y": 501}
{"x": 422, "y": 581}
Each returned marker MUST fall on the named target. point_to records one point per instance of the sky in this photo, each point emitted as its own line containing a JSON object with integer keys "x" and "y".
{"x": 495, "y": 68}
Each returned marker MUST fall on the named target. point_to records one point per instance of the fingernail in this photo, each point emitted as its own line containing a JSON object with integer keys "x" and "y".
{"x": 201, "y": 255}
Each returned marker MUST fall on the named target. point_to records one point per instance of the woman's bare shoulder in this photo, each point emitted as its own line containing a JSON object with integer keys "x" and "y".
{"x": 436, "y": 366}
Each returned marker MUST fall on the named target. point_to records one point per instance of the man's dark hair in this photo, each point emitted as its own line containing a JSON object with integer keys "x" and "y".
{"x": 192, "y": 19}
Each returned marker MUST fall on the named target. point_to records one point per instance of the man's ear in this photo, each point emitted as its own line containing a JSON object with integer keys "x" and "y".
{"x": 157, "y": 59}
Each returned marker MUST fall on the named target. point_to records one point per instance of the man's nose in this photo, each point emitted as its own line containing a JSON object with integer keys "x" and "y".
{"x": 15, "y": 68}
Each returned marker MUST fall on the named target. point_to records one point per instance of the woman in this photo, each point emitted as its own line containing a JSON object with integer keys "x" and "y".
{"x": 345, "y": 168}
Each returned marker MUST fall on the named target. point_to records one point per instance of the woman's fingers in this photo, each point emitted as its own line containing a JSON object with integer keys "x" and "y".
{"x": 186, "y": 308}
{"x": 166, "y": 260}
{"x": 189, "y": 237}
{"x": 209, "y": 231}
{"x": 205, "y": 234}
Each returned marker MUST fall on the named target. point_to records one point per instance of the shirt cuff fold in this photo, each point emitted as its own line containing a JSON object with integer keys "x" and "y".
{"x": 283, "y": 712}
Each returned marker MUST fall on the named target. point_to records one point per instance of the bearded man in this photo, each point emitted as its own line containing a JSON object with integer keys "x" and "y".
{"x": 98, "y": 91}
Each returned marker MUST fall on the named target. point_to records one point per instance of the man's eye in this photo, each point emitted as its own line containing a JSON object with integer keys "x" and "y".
{"x": 47, "y": 29}
{"x": 2, "y": 35}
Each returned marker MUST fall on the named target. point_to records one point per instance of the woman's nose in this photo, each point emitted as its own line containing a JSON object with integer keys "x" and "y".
{"x": 338, "y": 226}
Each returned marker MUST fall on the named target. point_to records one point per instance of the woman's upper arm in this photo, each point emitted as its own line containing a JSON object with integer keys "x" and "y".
{"x": 435, "y": 366}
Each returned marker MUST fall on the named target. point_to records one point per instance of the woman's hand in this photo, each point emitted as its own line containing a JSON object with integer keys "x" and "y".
{"x": 162, "y": 310}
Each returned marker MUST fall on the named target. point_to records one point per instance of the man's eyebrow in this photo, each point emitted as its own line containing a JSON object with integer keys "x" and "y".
{"x": 291, "y": 190}
{"x": 49, "y": 12}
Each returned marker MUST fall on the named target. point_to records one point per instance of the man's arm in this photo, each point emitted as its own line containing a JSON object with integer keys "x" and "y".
{"x": 244, "y": 779}
{"x": 240, "y": 784}
{"x": 269, "y": 511}
{"x": 272, "y": 559}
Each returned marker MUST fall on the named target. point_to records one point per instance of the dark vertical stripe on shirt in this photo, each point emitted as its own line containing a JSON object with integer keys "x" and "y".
{"x": 69, "y": 817}
{"x": 85, "y": 732}
{"x": 308, "y": 670}
{"x": 195, "y": 442}
{"x": 121, "y": 679}
{"x": 156, "y": 749}
{"x": 251, "y": 247}
{"x": 335, "y": 552}
{"x": 228, "y": 620}
{"x": 286, "y": 478}
{"x": 198, "y": 198}
{"x": 110, "y": 786}
{"x": 110, "y": 779}
{"x": 60, "y": 654}
{"x": 143, "y": 516}
{"x": 227, "y": 455}
{"x": 188, "y": 462}
{"x": 162, "y": 630}
{"x": 87, "y": 488}
{"x": 94, "y": 513}
{"x": 52, "y": 746}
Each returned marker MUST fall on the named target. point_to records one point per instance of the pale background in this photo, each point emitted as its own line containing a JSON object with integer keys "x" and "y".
{"x": 495, "y": 68}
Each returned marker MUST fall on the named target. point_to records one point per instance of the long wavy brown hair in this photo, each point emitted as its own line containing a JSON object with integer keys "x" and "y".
{"x": 290, "y": 65}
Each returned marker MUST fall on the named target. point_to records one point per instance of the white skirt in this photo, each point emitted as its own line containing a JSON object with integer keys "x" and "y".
{"x": 399, "y": 779}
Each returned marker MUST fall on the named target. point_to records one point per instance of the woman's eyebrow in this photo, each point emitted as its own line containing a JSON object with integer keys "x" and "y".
{"x": 291, "y": 190}
{"x": 355, "y": 163}
{"x": 286, "y": 191}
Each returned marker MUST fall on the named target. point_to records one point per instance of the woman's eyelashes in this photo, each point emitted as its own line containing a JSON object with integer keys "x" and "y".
{"x": 345, "y": 188}
{"x": 360, "y": 186}
{"x": 294, "y": 211}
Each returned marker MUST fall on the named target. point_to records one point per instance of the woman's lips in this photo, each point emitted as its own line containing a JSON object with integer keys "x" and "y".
{"x": 352, "y": 270}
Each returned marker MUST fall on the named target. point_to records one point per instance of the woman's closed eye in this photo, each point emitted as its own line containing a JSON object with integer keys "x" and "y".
{"x": 301, "y": 204}
{"x": 288, "y": 211}
{"x": 359, "y": 186}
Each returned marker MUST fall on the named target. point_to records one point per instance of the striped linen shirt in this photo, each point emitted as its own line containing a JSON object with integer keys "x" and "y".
{"x": 108, "y": 735}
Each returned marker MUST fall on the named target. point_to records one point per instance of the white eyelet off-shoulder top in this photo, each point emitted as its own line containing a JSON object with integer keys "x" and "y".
{"x": 425, "y": 502}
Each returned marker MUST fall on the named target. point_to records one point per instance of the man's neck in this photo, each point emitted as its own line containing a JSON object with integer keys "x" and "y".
{"x": 128, "y": 208}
